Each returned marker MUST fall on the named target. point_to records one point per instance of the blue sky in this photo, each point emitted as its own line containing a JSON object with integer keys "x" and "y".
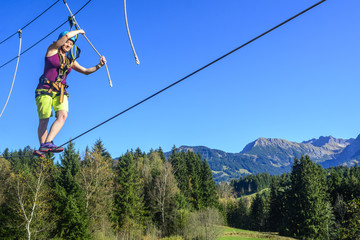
{"x": 299, "y": 82}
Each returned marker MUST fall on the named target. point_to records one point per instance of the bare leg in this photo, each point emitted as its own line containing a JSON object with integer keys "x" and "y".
{"x": 42, "y": 130}
{"x": 57, "y": 125}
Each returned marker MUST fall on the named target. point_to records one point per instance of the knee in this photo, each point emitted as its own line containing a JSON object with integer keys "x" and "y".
{"x": 62, "y": 115}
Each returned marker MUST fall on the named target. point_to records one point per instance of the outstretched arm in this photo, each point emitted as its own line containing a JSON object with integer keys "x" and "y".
{"x": 77, "y": 67}
{"x": 52, "y": 49}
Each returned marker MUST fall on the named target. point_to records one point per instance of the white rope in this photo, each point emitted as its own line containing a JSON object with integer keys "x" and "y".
{"x": 128, "y": 32}
{"x": 17, "y": 64}
{"x": 75, "y": 22}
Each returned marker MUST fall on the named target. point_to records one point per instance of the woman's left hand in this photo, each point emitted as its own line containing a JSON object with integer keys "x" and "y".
{"x": 102, "y": 60}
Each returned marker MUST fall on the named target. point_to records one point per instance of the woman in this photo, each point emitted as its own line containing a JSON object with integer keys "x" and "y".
{"x": 51, "y": 90}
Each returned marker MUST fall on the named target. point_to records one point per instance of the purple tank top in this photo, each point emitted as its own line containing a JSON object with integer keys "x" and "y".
{"x": 51, "y": 71}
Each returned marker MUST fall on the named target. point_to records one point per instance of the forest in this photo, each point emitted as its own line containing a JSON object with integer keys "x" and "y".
{"x": 148, "y": 196}
{"x": 138, "y": 196}
{"x": 308, "y": 203}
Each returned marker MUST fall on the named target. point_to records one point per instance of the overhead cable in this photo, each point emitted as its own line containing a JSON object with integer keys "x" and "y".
{"x": 3, "y": 65}
{"x": 29, "y": 22}
{"x": 175, "y": 83}
{"x": 193, "y": 73}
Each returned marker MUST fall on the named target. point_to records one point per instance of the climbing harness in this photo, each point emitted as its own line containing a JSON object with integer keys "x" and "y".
{"x": 128, "y": 32}
{"x": 57, "y": 86}
{"x": 17, "y": 64}
{"x": 66, "y": 62}
{"x": 77, "y": 25}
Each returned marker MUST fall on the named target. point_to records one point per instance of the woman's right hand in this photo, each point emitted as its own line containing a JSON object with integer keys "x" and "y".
{"x": 81, "y": 32}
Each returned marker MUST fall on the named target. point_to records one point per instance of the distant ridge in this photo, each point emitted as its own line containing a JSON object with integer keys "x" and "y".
{"x": 275, "y": 156}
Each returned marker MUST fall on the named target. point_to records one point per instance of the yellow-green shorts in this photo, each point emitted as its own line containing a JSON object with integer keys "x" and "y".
{"x": 45, "y": 103}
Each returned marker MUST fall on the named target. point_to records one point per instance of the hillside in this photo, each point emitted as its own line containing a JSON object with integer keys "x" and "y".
{"x": 275, "y": 156}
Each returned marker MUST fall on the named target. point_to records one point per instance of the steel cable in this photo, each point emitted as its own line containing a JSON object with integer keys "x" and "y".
{"x": 44, "y": 37}
{"x": 191, "y": 74}
{"x": 29, "y": 22}
{"x": 207, "y": 65}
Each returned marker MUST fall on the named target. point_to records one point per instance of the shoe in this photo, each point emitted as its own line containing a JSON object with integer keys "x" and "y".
{"x": 50, "y": 147}
{"x": 38, "y": 154}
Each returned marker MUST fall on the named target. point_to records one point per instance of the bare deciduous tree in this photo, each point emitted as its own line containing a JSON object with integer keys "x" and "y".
{"x": 97, "y": 179}
{"x": 204, "y": 224}
{"x": 225, "y": 190}
{"x": 33, "y": 197}
{"x": 163, "y": 194}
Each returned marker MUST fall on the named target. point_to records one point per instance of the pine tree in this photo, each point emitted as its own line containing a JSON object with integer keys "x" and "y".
{"x": 193, "y": 163}
{"x": 208, "y": 187}
{"x": 335, "y": 184}
{"x": 310, "y": 215}
{"x": 9, "y": 219}
{"x": 22, "y": 160}
{"x": 69, "y": 201}
{"x": 162, "y": 155}
{"x": 99, "y": 147}
{"x": 258, "y": 213}
{"x": 237, "y": 213}
{"x": 242, "y": 215}
{"x": 350, "y": 228}
{"x": 276, "y": 207}
{"x": 139, "y": 154}
{"x": 128, "y": 204}
{"x": 178, "y": 162}
{"x": 6, "y": 153}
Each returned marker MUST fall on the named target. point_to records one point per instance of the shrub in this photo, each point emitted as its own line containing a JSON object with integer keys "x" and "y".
{"x": 173, "y": 238}
{"x": 204, "y": 224}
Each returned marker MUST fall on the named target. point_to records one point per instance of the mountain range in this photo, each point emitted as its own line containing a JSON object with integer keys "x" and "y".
{"x": 275, "y": 156}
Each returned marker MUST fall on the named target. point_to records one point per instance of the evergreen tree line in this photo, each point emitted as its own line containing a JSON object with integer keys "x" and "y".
{"x": 308, "y": 203}
{"x": 95, "y": 197}
{"x": 252, "y": 183}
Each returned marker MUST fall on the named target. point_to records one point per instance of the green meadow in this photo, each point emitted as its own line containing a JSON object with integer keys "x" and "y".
{"x": 239, "y": 234}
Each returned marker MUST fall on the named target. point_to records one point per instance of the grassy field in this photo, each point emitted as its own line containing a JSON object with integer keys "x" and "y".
{"x": 238, "y": 234}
